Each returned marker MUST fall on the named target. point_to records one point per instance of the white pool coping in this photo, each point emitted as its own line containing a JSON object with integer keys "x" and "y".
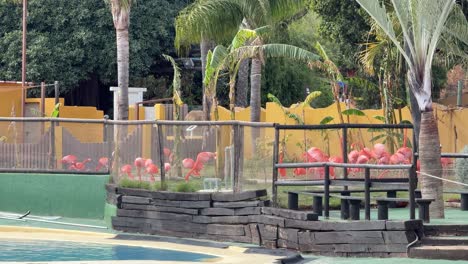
{"x": 231, "y": 254}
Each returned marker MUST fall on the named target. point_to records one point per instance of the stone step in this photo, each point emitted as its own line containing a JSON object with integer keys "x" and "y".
{"x": 445, "y": 241}
{"x": 448, "y": 252}
{"x": 446, "y": 230}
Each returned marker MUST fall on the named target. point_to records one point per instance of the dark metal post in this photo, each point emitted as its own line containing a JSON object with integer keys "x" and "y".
{"x": 161, "y": 154}
{"x": 411, "y": 192}
{"x": 326, "y": 192}
{"x": 274, "y": 191}
{"x": 367, "y": 186}
{"x": 345, "y": 152}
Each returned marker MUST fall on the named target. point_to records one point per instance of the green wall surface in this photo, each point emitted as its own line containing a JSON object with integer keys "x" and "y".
{"x": 66, "y": 195}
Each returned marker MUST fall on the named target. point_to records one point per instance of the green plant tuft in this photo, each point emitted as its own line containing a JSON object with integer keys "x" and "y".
{"x": 159, "y": 186}
{"x": 127, "y": 183}
{"x": 185, "y": 187}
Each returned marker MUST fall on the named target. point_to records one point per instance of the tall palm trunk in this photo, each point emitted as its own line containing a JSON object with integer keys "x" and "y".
{"x": 242, "y": 85}
{"x": 121, "y": 17}
{"x": 255, "y": 98}
{"x": 122, "y": 71}
{"x": 255, "y": 90}
{"x": 429, "y": 154}
{"x": 205, "y": 46}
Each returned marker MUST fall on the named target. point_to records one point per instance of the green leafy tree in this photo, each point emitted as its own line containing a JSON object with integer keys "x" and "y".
{"x": 220, "y": 20}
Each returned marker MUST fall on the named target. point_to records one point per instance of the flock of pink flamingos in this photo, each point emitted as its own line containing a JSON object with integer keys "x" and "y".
{"x": 143, "y": 165}
{"x": 359, "y": 155}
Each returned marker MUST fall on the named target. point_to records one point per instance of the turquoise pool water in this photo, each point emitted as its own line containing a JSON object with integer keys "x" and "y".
{"x": 36, "y": 250}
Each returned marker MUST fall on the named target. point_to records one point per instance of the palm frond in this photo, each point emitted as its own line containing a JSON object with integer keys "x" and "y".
{"x": 242, "y": 37}
{"x": 312, "y": 96}
{"x": 216, "y": 20}
{"x": 176, "y": 83}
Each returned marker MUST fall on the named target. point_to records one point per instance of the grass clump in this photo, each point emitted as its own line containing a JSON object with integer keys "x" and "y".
{"x": 160, "y": 186}
{"x": 185, "y": 187}
{"x": 127, "y": 183}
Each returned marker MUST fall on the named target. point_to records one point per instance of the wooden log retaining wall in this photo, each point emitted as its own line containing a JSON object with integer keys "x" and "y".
{"x": 246, "y": 217}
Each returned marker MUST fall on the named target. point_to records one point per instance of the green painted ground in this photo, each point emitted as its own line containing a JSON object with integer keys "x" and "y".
{"x": 67, "y": 195}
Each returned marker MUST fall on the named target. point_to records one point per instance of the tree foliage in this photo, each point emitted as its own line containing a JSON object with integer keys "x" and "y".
{"x": 70, "y": 40}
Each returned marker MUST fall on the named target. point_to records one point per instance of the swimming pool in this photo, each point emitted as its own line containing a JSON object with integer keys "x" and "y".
{"x": 39, "y": 250}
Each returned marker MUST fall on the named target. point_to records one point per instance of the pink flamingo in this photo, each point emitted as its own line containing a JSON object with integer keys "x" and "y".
{"x": 139, "y": 163}
{"x": 127, "y": 168}
{"x": 202, "y": 158}
{"x": 151, "y": 170}
{"x": 102, "y": 162}
{"x": 188, "y": 163}
{"x": 69, "y": 160}
{"x": 167, "y": 166}
{"x": 80, "y": 166}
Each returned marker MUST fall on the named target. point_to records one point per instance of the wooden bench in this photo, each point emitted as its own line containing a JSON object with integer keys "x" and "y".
{"x": 423, "y": 207}
{"x": 317, "y": 204}
{"x": 349, "y": 204}
{"x": 463, "y": 198}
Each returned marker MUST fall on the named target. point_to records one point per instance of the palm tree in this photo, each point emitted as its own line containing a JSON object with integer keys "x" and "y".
{"x": 121, "y": 16}
{"x": 422, "y": 24}
{"x": 120, "y": 10}
{"x": 219, "y": 20}
{"x": 230, "y": 59}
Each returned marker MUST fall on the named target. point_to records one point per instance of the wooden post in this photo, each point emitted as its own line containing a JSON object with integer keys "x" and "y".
{"x": 161, "y": 154}
{"x": 274, "y": 191}
{"x": 367, "y": 186}
{"x": 326, "y": 192}
{"x": 57, "y": 93}
{"x": 238, "y": 150}
{"x": 43, "y": 92}
{"x": 411, "y": 191}
{"x": 42, "y": 109}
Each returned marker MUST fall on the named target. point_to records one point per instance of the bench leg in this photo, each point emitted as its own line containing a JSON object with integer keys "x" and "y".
{"x": 344, "y": 206}
{"x": 417, "y": 194}
{"x": 317, "y": 205}
{"x": 355, "y": 206}
{"x": 423, "y": 209}
{"x": 293, "y": 201}
{"x": 382, "y": 210}
{"x": 391, "y": 194}
{"x": 344, "y": 209}
{"x": 464, "y": 201}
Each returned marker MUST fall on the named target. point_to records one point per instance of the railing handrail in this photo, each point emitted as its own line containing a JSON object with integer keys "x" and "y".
{"x": 135, "y": 122}
{"x": 343, "y": 165}
{"x": 335, "y": 126}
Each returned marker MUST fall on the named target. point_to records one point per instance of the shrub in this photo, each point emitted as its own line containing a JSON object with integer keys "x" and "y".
{"x": 127, "y": 183}
{"x": 461, "y": 167}
{"x": 185, "y": 187}
{"x": 159, "y": 186}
